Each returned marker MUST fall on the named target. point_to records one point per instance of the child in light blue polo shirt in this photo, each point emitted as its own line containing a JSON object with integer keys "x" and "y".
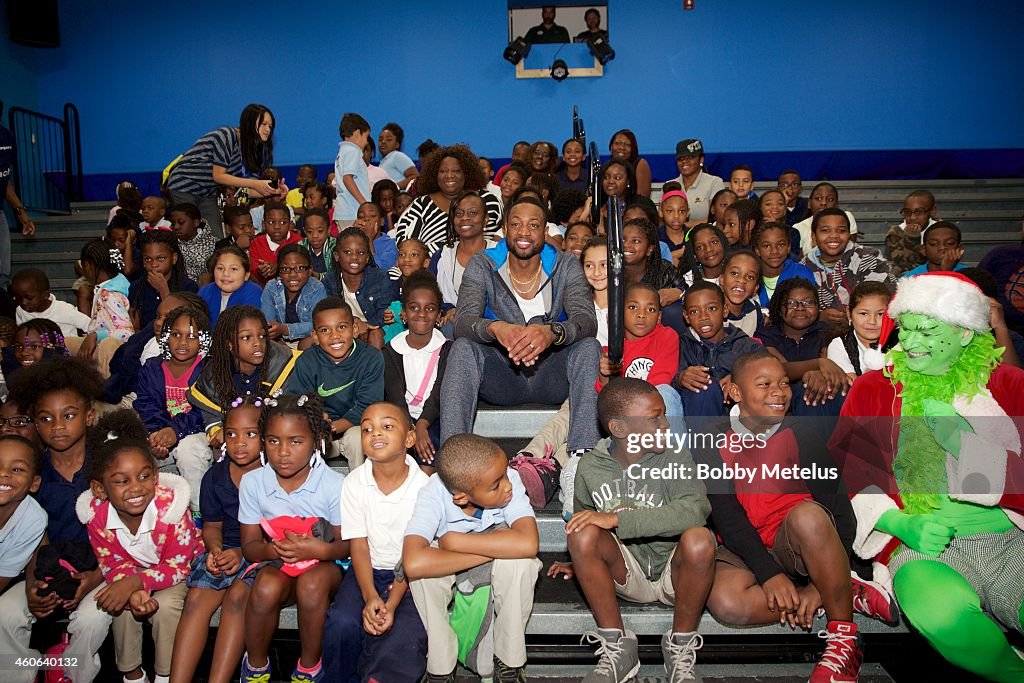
{"x": 350, "y": 176}
{"x": 473, "y": 506}
{"x": 22, "y": 519}
{"x": 294, "y": 482}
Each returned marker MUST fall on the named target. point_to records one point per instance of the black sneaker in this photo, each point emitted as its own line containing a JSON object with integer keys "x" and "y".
{"x": 508, "y": 674}
{"x": 438, "y": 678}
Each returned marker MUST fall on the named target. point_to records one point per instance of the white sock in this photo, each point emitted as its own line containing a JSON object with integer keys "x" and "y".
{"x": 134, "y": 680}
{"x": 161, "y": 679}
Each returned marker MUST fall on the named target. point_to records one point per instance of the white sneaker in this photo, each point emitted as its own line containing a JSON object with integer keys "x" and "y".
{"x": 567, "y": 482}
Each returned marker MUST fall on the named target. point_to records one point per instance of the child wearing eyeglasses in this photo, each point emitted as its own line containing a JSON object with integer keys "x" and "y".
{"x": 903, "y": 241}
{"x": 289, "y": 298}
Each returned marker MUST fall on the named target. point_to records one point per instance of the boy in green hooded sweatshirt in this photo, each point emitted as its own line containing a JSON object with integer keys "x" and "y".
{"x": 639, "y": 536}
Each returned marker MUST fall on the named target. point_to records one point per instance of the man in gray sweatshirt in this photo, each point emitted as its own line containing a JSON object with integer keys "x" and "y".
{"x": 524, "y": 332}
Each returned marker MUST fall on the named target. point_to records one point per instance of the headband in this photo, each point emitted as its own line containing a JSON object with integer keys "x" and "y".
{"x": 674, "y": 193}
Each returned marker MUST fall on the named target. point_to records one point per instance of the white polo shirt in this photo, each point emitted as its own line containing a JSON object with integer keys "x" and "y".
{"x": 699, "y": 195}
{"x": 380, "y": 519}
{"x": 139, "y": 545}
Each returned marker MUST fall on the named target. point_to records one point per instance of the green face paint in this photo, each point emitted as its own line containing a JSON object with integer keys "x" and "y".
{"x": 932, "y": 346}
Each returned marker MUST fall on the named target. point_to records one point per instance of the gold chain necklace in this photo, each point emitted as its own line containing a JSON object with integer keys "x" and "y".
{"x": 529, "y": 284}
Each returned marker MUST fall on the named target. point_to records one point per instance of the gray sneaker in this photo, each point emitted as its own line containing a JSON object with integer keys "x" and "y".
{"x": 567, "y": 482}
{"x": 619, "y": 655}
{"x": 680, "y": 653}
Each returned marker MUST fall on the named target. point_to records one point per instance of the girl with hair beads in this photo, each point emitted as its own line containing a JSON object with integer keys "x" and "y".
{"x": 34, "y": 341}
{"x": 164, "y": 273}
{"x": 464, "y": 239}
{"x": 110, "y": 323}
{"x": 214, "y": 581}
{"x": 57, "y": 395}
{"x": 289, "y": 298}
{"x": 144, "y": 540}
{"x": 123, "y": 231}
{"x": 195, "y": 239}
{"x": 383, "y": 250}
{"x": 176, "y": 430}
{"x": 231, "y": 285}
{"x": 294, "y": 565}
{"x": 859, "y": 349}
{"x": 365, "y": 288}
{"x": 706, "y": 250}
{"x": 243, "y": 362}
{"x": 414, "y": 364}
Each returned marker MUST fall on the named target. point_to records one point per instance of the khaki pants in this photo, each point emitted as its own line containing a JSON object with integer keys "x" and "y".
{"x": 554, "y": 433}
{"x": 512, "y": 583}
{"x": 87, "y": 628}
{"x": 128, "y": 632}
{"x": 104, "y": 352}
{"x": 350, "y": 446}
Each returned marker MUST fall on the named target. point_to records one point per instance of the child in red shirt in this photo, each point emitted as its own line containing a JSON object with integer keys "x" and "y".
{"x": 277, "y": 232}
{"x": 786, "y": 539}
{"x": 650, "y": 351}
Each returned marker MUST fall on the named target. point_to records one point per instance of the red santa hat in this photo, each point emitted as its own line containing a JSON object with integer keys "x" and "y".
{"x": 950, "y": 297}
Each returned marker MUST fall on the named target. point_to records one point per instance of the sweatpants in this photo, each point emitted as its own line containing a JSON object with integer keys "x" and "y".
{"x": 512, "y": 583}
{"x": 87, "y": 628}
{"x": 484, "y": 371}
{"x": 128, "y": 632}
{"x": 351, "y": 654}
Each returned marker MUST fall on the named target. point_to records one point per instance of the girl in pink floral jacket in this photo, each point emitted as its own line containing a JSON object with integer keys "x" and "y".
{"x": 144, "y": 538}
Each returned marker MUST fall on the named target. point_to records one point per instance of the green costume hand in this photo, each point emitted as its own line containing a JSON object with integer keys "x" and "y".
{"x": 946, "y": 424}
{"x": 920, "y": 532}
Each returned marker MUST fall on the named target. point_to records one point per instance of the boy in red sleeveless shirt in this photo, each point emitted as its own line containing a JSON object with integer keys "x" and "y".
{"x": 786, "y": 523}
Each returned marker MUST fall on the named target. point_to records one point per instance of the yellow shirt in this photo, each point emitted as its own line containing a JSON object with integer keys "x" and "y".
{"x": 294, "y": 198}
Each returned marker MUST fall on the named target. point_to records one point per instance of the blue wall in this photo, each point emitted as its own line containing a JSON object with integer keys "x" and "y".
{"x": 746, "y": 76}
{"x": 17, "y": 73}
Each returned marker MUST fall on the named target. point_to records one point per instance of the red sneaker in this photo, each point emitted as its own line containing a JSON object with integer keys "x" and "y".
{"x": 840, "y": 663}
{"x": 539, "y": 476}
{"x": 872, "y": 600}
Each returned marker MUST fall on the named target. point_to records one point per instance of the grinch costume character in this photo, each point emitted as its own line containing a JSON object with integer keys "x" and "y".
{"x": 931, "y": 449}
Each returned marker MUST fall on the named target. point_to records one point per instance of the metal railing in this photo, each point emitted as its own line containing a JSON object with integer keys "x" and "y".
{"x": 48, "y": 168}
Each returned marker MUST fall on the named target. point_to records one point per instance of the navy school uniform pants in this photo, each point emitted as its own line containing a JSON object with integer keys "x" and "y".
{"x": 351, "y": 654}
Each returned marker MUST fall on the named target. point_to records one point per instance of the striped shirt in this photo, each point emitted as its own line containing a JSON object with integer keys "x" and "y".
{"x": 194, "y": 173}
{"x": 425, "y": 221}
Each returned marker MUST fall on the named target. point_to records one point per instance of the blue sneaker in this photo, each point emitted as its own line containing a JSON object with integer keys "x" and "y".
{"x": 300, "y": 677}
{"x": 250, "y": 675}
